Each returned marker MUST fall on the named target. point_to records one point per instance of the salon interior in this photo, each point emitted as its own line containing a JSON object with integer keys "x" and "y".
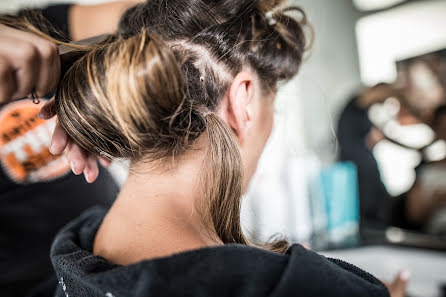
{"x": 355, "y": 167}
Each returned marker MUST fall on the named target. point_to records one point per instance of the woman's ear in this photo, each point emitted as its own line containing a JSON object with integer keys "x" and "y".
{"x": 235, "y": 108}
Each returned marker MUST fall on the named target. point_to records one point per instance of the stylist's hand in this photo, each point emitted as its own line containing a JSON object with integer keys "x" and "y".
{"x": 80, "y": 160}
{"x": 27, "y": 62}
{"x": 397, "y": 288}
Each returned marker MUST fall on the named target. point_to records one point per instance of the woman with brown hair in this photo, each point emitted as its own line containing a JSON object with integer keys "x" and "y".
{"x": 185, "y": 91}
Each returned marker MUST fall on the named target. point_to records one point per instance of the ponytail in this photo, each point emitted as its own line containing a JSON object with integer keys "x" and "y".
{"x": 223, "y": 183}
{"x": 223, "y": 180}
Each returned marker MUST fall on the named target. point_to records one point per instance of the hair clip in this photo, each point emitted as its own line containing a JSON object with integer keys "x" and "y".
{"x": 269, "y": 15}
{"x": 103, "y": 154}
{"x": 207, "y": 113}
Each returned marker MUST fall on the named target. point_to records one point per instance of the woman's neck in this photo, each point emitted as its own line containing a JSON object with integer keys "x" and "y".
{"x": 155, "y": 214}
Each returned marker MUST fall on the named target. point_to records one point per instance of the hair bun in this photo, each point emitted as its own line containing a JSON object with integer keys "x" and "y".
{"x": 119, "y": 97}
{"x": 273, "y": 41}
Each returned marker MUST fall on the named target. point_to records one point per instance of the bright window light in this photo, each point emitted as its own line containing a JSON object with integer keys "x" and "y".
{"x": 397, "y": 34}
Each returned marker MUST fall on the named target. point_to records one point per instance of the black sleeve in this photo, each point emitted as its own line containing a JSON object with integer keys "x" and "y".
{"x": 56, "y": 15}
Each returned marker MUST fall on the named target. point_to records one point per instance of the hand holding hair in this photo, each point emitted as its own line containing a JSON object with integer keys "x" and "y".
{"x": 30, "y": 64}
{"x": 27, "y": 63}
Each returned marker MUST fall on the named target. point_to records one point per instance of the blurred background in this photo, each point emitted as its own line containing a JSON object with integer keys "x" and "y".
{"x": 355, "y": 167}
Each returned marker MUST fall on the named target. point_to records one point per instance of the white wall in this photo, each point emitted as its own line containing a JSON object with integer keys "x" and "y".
{"x": 331, "y": 73}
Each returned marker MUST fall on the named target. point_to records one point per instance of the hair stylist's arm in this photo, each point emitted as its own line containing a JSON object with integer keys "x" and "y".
{"x": 27, "y": 62}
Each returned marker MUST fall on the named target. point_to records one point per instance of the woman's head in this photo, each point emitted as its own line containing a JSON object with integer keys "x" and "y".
{"x": 217, "y": 40}
{"x": 179, "y": 71}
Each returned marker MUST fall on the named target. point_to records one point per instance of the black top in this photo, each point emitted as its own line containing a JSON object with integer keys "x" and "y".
{"x": 38, "y": 192}
{"x": 230, "y": 270}
{"x": 55, "y": 15}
